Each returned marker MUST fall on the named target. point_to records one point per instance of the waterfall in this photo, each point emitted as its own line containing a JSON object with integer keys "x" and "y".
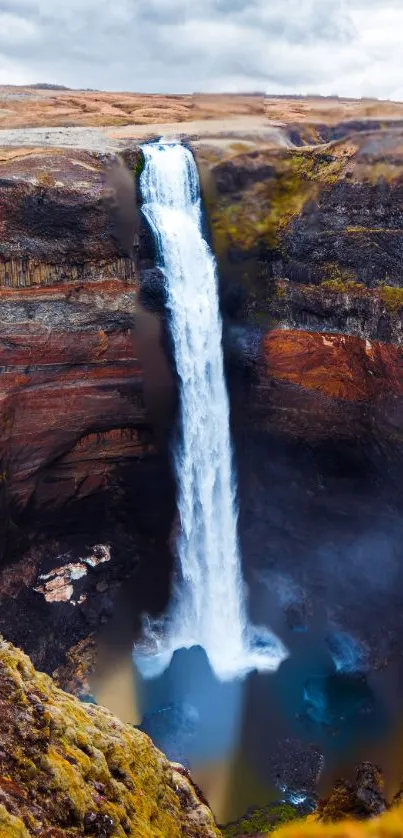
{"x": 208, "y": 605}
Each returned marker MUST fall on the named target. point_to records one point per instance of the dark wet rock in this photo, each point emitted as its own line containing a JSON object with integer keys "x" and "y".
{"x": 360, "y": 799}
{"x": 337, "y": 306}
{"x": 230, "y": 177}
{"x": 296, "y": 616}
{"x": 312, "y": 133}
{"x": 152, "y": 290}
{"x": 327, "y": 220}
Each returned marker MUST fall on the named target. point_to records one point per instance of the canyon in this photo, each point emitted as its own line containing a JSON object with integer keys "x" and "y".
{"x": 303, "y": 209}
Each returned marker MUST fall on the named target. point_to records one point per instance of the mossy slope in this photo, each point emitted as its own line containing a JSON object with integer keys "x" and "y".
{"x": 72, "y": 770}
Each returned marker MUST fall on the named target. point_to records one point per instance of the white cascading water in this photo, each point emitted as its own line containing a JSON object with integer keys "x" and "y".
{"x": 208, "y": 605}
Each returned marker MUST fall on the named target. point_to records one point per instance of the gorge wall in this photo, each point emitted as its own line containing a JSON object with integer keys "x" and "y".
{"x": 309, "y": 244}
{"x": 86, "y": 395}
{"x": 309, "y": 241}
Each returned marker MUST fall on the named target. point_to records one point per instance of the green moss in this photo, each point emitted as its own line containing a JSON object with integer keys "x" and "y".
{"x": 264, "y": 212}
{"x": 392, "y": 297}
{"x": 139, "y": 167}
{"x": 343, "y": 287}
{"x": 263, "y": 820}
{"x": 333, "y": 271}
{"x": 280, "y": 290}
{"x": 266, "y": 209}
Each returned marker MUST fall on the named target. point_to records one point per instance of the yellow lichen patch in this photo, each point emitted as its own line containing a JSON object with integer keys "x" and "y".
{"x": 10, "y": 826}
{"x": 343, "y": 287}
{"x": 240, "y": 147}
{"x": 392, "y": 297}
{"x": 397, "y": 231}
{"x": 74, "y": 769}
{"x": 46, "y": 179}
{"x": 389, "y": 825}
{"x": 333, "y": 272}
{"x": 373, "y": 172}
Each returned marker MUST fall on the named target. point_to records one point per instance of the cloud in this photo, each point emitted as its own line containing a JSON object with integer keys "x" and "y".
{"x": 16, "y": 32}
{"x": 349, "y": 47}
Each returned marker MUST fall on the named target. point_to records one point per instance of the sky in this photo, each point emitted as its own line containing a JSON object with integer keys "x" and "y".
{"x": 345, "y": 47}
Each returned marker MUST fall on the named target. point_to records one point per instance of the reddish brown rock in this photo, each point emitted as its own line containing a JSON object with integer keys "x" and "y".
{"x": 73, "y": 344}
{"x": 315, "y": 386}
{"x": 70, "y": 392}
{"x": 339, "y": 366}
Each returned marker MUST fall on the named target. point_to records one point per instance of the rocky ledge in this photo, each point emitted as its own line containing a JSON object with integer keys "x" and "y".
{"x": 68, "y": 769}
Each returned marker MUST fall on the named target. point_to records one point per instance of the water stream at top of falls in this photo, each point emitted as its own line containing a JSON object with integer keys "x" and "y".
{"x": 208, "y": 606}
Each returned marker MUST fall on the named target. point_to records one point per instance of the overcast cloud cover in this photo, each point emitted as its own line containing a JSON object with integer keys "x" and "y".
{"x": 348, "y": 47}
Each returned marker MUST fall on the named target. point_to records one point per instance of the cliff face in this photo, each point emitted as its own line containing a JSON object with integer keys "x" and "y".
{"x": 310, "y": 244}
{"x": 316, "y": 214}
{"x": 85, "y": 399}
{"x": 63, "y": 357}
{"x": 309, "y": 241}
{"x": 72, "y": 390}
{"x": 319, "y": 386}
{"x": 67, "y": 769}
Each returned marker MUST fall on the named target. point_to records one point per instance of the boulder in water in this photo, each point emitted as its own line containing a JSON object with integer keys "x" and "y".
{"x": 362, "y": 798}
